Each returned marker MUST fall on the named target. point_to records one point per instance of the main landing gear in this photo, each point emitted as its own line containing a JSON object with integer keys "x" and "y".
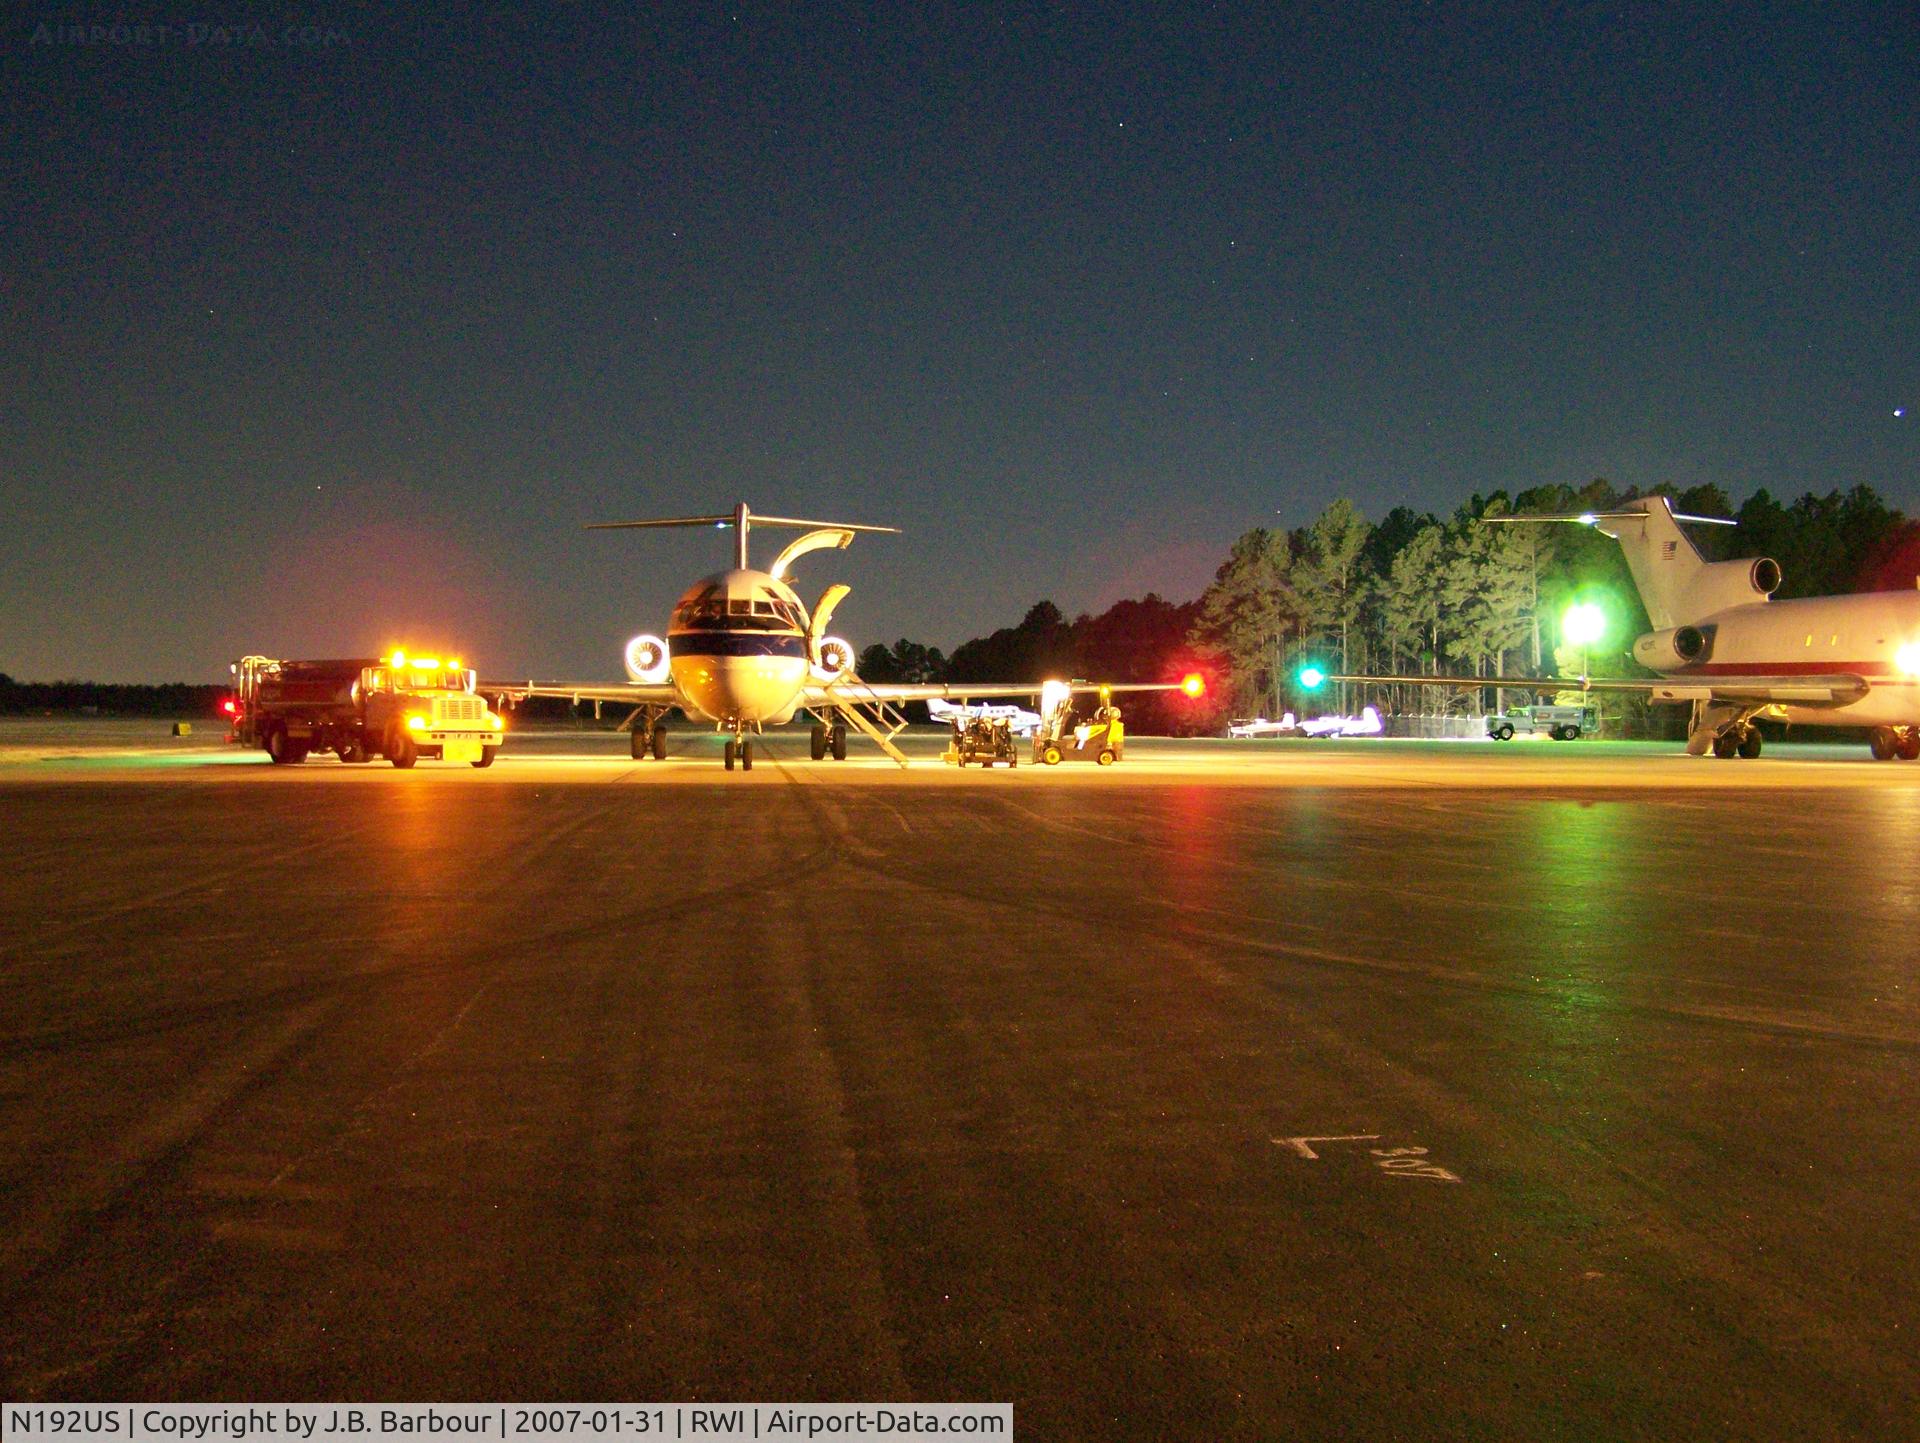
{"x": 829, "y": 739}
{"x": 1724, "y": 730}
{"x": 1738, "y": 742}
{"x": 1886, "y": 743}
{"x": 648, "y": 736}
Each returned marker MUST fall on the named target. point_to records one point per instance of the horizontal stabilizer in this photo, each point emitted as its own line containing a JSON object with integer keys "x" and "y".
{"x": 1587, "y": 518}
{"x": 727, "y": 521}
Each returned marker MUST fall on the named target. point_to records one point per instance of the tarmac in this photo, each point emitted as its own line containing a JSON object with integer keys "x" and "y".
{"x": 1242, "y": 1090}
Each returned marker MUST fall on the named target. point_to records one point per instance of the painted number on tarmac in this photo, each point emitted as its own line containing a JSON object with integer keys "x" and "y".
{"x": 1394, "y": 1161}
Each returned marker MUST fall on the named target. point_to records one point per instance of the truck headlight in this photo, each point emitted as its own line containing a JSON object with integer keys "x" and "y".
{"x": 499, "y": 725}
{"x": 416, "y": 723}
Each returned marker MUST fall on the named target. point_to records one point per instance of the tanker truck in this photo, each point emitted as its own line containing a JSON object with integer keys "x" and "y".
{"x": 398, "y": 707}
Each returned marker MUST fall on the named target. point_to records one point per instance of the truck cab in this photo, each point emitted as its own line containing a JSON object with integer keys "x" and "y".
{"x": 420, "y": 707}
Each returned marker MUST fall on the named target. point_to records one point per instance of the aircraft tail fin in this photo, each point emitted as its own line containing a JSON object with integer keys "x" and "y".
{"x": 1675, "y": 582}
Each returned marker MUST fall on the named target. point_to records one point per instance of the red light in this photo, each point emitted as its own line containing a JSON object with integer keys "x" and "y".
{"x": 1193, "y": 684}
{"x": 229, "y": 707}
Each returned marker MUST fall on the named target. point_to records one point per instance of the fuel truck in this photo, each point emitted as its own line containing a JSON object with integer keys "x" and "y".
{"x": 398, "y": 707}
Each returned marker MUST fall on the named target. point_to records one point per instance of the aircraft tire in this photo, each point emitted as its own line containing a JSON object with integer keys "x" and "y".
{"x": 1907, "y": 745}
{"x": 1726, "y": 745}
{"x": 659, "y": 742}
{"x": 818, "y": 745}
{"x": 746, "y": 754}
{"x": 636, "y": 744}
{"x": 733, "y": 750}
{"x": 1884, "y": 743}
{"x": 839, "y": 741}
{"x": 1750, "y": 743}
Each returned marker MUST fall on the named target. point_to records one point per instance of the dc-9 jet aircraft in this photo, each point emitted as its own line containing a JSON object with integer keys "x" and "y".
{"x": 1722, "y": 643}
{"x": 743, "y": 652}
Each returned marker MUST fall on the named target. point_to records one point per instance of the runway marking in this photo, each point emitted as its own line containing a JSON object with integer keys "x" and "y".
{"x": 1405, "y": 1162}
{"x": 1394, "y": 1161}
{"x": 1299, "y": 1144}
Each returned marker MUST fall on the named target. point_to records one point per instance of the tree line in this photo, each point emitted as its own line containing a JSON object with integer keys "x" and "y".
{"x": 1419, "y": 594}
{"x": 1416, "y": 594}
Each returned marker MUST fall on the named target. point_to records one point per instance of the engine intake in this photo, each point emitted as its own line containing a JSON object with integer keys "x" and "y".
{"x": 832, "y": 658}
{"x": 647, "y": 660}
{"x": 1676, "y": 647}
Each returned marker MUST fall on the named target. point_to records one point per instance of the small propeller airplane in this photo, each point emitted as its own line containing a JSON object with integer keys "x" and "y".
{"x": 1723, "y": 644}
{"x": 1019, "y": 720}
{"x": 743, "y": 652}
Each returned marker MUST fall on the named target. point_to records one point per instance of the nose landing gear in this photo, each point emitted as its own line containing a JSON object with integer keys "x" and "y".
{"x": 740, "y": 749}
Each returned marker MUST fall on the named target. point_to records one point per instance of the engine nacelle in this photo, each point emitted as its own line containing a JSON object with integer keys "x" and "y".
{"x": 1673, "y": 648}
{"x": 647, "y": 660}
{"x": 832, "y": 658}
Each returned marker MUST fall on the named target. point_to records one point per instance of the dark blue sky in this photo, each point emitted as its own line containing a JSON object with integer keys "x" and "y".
{"x": 316, "y": 342}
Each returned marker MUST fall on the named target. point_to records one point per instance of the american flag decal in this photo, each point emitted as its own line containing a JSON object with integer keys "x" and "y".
{"x": 1668, "y": 550}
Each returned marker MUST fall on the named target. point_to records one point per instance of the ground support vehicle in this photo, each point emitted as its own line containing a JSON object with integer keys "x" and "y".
{"x": 396, "y": 707}
{"x": 1101, "y": 739}
{"x": 1562, "y": 723}
{"x": 985, "y": 740}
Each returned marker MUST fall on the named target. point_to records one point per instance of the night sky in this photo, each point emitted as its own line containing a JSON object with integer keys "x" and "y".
{"x": 325, "y": 339}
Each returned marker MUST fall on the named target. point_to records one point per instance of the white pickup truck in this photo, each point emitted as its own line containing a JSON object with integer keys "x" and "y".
{"x": 1562, "y": 723}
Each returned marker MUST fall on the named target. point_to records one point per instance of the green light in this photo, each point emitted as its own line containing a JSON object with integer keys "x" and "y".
{"x": 1311, "y": 677}
{"x": 1583, "y": 624}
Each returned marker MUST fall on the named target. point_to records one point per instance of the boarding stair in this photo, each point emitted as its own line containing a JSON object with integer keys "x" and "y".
{"x": 878, "y": 720}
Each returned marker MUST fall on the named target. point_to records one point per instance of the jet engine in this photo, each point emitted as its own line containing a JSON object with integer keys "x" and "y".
{"x": 1675, "y": 647}
{"x": 832, "y": 658}
{"x": 647, "y": 660}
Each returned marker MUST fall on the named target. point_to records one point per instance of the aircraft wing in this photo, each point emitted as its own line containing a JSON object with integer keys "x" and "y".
{"x": 631, "y": 693}
{"x": 1837, "y": 689}
{"x": 854, "y": 692}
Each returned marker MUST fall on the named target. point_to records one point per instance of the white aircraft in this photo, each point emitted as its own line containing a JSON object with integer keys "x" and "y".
{"x": 1722, "y": 643}
{"x": 743, "y": 652}
{"x": 1367, "y": 724}
{"x": 1018, "y": 719}
{"x": 1261, "y": 727}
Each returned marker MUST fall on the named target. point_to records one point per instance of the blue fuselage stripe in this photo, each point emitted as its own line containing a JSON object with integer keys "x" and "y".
{"x": 735, "y": 643}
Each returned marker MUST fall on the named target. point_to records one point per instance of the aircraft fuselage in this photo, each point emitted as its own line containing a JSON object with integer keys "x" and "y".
{"x": 1863, "y": 635}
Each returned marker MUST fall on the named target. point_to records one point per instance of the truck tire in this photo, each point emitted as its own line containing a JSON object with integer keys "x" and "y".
{"x": 486, "y": 756}
{"x": 1108, "y": 756}
{"x": 1051, "y": 756}
{"x": 282, "y": 749}
{"x": 353, "y": 751}
{"x": 1503, "y": 733}
{"x": 401, "y": 750}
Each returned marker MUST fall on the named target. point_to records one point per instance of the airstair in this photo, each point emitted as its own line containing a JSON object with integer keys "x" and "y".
{"x": 870, "y": 715}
